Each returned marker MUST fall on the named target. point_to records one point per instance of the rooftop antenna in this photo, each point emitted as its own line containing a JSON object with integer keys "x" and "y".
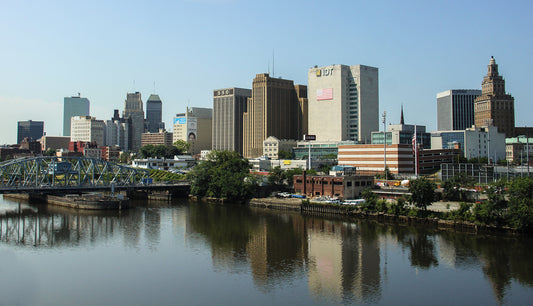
{"x": 133, "y": 85}
{"x": 154, "y": 87}
{"x": 269, "y": 67}
{"x": 273, "y": 75}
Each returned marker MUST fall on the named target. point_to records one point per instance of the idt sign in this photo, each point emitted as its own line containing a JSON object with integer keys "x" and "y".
{"x": 309, "y": 137}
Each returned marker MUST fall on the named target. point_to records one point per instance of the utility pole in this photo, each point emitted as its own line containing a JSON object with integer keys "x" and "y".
{"x": 385, "y": 145}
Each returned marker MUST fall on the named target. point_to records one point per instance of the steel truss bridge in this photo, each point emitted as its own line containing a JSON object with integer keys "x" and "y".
{"x": 67, "y": 174}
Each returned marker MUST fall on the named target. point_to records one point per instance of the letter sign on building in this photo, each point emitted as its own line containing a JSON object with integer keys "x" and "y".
{"x": 324, "y": 72}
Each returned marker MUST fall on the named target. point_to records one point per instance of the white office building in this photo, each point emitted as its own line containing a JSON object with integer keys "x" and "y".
{"x": 475, "y": 142}
{"x": 343, "y": 103}
{"x": 87, "y": 129}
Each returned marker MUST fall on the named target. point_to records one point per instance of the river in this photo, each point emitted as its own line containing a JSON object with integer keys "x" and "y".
{"x": 183, "y": 253}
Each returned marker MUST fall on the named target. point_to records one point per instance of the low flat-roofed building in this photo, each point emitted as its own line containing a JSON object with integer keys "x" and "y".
{"x": 54, "y": 142}
{"x": 155, "y": 139}
{"x": 345, "y": 187}
{"x": 178, "y": 162}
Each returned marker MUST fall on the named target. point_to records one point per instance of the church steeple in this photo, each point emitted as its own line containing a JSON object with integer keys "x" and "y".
{"x": 401, "y": 118}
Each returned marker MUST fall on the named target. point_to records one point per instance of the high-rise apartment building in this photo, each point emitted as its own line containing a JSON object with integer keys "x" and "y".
{"x": 29, "y": 129}
{"x": 494, "y": 106}
{"x": 343, "y": 102}
{"x": 195, "y": 126}
{"x": 154, "y": 114}
{"x": 455, "y": 109}
{"x": 74, "y": 106}
{"x": 273, "y": 110}
{"x": 228, "y": 107}
{"x": 87, "y": 129}
{"x": 133, "y": 109}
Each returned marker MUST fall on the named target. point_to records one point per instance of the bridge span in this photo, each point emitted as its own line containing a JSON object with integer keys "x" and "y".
{"x": 61, "y": 175}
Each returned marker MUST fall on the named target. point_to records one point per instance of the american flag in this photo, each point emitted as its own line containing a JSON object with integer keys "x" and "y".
{"x": 324, "y": 94}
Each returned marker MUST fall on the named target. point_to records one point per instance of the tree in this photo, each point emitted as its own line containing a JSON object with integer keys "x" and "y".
{"x": 455, "y": 187}
{"x": 422, "y": 192}
{"x": 371, "y": 199}
{"x": 282, "y": 154}
{"x": 276, "y": 176}
{"x": 224, "y": 175}
{"x": 50, "y": 152}
{"x": 520, "y": 213}
{"x": 386, "y": 175}
{"x": 158, "y": 151}
{"x": 182, "y": 146}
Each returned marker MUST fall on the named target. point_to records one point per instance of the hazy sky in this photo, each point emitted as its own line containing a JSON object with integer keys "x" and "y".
{"x": 104, "y": 49}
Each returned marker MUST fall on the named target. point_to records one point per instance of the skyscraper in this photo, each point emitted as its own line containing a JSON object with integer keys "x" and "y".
{"x": 133, "y": 109}
{"x": 228, "y": 107}
{"x": 494, "y": 106}
{"x": 73, "y": 106}
{"x": 195, "y": 126}
{"x": 31, "y": 129}
{"x": 343, "y": 102}
{"x": 154, "y": 114}
{"x": 273, "y": 110}
{"x": 455, "y": 109}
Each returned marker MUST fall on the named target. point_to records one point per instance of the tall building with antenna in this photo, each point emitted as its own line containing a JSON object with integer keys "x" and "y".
{"x": 273, "y": 110}
{"x": 154, "y": 114}
{"x": 74, "y": 106}
{"x": 133, "y": 110}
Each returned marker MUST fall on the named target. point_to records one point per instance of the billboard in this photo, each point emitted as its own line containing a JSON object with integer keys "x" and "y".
{"x": 180, "y": 120}
{"x": 192, "y": 129}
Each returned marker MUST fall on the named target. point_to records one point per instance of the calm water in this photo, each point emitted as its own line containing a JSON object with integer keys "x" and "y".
{"x": 199, "y": 254}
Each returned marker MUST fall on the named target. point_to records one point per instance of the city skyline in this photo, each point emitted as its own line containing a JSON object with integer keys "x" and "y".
{"x": 420, "y": 49}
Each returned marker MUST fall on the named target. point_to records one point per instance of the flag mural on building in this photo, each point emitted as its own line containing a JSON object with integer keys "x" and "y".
{"x": 324, "y": 94}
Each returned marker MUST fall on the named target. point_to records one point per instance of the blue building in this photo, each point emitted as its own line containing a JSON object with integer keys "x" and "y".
{"x": 30, "y": 129}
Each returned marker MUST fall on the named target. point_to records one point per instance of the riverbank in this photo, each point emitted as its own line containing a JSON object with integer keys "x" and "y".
{"x": 351, "y": 211}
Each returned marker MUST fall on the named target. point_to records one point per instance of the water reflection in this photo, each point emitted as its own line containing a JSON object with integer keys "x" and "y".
{"x": 340, "y": 260}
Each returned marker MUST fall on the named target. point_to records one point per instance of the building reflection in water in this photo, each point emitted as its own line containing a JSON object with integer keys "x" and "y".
{"x": 344, "y": 261}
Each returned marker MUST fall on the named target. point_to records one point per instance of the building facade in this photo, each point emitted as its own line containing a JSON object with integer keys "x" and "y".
{"x": 160, "y": 138}
{"x": 519, "y": 150}
{"x": 370, "y": 158}
{"x": 455, "y": 109}
{"x": 133, "y": 109}
{"x": 195, "y": 126}
{"x": 74, "y": 106}
{"x": 494, "y": 106}
{"x": 273, "y": 110}
{"x": 272, "y": 146}
{"x": 345, "y": 187}
{"x": 54, "y": 142}
{"x": 343, "y": 103}
{"x": 403, "y": 134}
{"x": 87, "y": 129}
{"x": 29, "y": 129}
{"x": 154, "y": 114}
{"x": 474, "y": 142}
{"x": 229, "y": 105}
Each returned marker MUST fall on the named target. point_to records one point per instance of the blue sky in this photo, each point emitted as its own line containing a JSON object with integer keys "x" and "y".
{"x": 104, "y": 49}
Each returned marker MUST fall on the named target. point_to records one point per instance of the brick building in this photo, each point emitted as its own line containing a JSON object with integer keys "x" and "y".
{"x": 345, "y": 187}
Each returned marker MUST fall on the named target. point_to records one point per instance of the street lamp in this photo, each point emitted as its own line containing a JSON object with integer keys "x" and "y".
{"x": 527, "y": 153}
